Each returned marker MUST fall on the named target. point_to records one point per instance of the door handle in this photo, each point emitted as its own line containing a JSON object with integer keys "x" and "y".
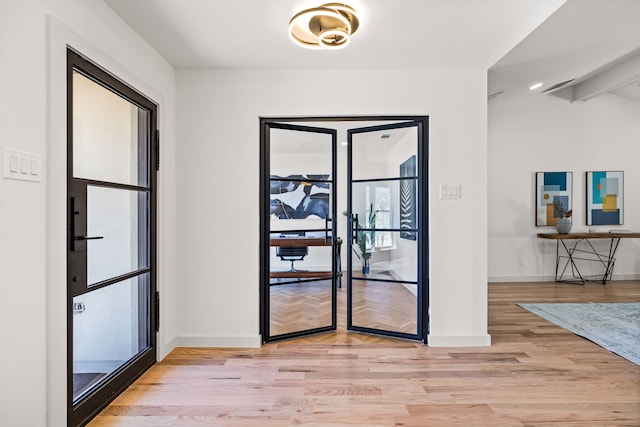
{"x": 354, "y": 228}
{"x": 327, "y": 220}
{"x": 75, "y": 211}
{"x": 87, "y": 237}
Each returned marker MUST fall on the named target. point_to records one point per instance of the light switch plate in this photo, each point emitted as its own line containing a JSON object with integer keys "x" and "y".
{"x": 21, "y": 165}
{"x": 450, "y": 191}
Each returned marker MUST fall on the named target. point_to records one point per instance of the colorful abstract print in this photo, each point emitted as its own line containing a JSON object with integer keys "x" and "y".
{"x": 604, "y": 198}
{"x": 554, "y": 190}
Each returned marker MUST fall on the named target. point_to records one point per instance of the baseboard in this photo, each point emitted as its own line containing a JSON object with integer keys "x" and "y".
{"x": 167, "y": 348}
{"x": 459, "y": 341}
{"x": 552, "y": 278}
{"x": 626, "y": 276}
{"x": 253, "y": 341}
{"x": 523, "y": 278}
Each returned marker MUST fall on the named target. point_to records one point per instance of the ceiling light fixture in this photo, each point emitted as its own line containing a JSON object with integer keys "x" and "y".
{"x": 535, "y": 86}
{"x": 329, "y": 26}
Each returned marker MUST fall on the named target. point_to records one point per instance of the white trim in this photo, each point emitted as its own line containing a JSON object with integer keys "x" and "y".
{"x": 165, "y": 349}
{"x": 626, "y": 276}
{"x": 528, "y": 278}
{"x": 252, "y": 341}
{"x": 459, "y": 340}
{"x": 551, "y": 278}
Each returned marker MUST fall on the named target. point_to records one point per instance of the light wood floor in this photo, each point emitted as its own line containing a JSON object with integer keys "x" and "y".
{"x": 534, "y": 374}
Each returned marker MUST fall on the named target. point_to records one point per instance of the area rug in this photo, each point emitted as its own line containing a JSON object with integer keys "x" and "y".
{"x": 614, "y": 326}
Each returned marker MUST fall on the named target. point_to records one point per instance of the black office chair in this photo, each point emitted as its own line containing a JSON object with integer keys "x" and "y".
{"x": 292, "y": 253}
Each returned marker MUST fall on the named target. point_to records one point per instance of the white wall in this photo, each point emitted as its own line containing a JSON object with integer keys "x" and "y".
{"x": 531, "y": 133}
{"x": 33, "y": 38}
{"x": 22, "y": 218}
{"x": 218, "y": 178}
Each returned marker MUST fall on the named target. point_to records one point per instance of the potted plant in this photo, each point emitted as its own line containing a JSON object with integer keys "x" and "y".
{"x": 564, "y": 223}
{"x": 363, "y": 245}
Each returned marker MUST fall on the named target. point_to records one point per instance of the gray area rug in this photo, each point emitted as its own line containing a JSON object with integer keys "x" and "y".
{"x": 614, "y": 326}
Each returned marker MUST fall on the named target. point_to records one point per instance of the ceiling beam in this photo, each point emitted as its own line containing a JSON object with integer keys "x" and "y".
{"x": 620, "y": 73}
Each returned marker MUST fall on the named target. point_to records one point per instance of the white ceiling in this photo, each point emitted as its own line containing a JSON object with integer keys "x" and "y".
{"x": 252, "y": 34}
{"x": 520, "y": 41}
{"x": 581, "y": 40}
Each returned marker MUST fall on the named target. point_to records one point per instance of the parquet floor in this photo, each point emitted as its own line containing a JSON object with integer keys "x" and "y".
{"x": 534, "y": 374}
{"x": 380, "y": 305}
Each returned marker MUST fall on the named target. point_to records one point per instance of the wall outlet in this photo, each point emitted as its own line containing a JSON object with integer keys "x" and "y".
{"x": 520, "y": 260}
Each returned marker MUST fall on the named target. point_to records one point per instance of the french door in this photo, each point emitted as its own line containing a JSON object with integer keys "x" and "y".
{"x": 383, "y": 232}
{"x": 386, "y": 270}
{"x": 111, "y": 271}
{"x": 300, "y": 250}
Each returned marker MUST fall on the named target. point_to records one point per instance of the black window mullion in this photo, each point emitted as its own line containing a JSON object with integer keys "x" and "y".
{"x": 114, "y": 185}
{"x": 400, "y": 178}
{"x": 113, "y": 281}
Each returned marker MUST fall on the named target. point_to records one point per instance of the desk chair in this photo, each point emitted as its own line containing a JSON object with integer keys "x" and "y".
{"x": 292, "y": 254}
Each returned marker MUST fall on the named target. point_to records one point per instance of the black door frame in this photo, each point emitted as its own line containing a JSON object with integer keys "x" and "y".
{"x": 87, "y": 407}
{"x": 423, "y": 250}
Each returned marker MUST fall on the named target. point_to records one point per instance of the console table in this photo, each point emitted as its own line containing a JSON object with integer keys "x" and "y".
{"x": 578, "y": 246}
{"x": 301, "y": 241}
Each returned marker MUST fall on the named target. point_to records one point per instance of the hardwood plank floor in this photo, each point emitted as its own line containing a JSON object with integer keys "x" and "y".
{"x": 534, "y": 374}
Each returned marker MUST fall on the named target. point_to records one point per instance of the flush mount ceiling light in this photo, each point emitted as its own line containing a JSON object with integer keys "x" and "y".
{"x": 329, "y": 26}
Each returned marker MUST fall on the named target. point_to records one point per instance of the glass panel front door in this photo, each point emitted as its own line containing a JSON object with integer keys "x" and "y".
{"x": 109, "y": 329}
{"x": 118, "y": 216}
{"x": 301, "y": 262}
{"x": 111, "y": 208}
{"x": 106, "y": 129}
{"x": 385, "y": 276}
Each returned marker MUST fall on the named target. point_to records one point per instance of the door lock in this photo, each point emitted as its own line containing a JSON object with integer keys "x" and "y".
{"x": 78, "y": 307}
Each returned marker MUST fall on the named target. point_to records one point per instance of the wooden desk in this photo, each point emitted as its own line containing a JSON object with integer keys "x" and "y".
{"x": 573, "y": 251}
{"x": 301, "y": 241}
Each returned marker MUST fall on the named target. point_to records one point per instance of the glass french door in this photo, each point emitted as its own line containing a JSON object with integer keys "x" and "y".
{"x": 300, "y": 250}
{"x": 111, "y": 237}
{"x": 387, "y": 222}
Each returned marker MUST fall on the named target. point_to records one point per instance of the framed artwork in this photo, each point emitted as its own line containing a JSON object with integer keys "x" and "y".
{"x": 554, "y": 194}
{"x": 299, "y": 196}
{"x": 408, "y": 199}
{"x": 605, "y": 198}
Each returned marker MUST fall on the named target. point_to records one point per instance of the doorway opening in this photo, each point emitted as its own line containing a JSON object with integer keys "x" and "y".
{"x": 348, "y": 196}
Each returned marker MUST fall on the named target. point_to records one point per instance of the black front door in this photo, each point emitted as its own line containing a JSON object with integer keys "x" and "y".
{"x": 111, "y": 270}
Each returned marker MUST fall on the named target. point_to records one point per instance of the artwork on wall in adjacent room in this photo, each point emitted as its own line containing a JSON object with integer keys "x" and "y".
{"x": 554, "y": 191}
{"x": 605, "y": 198}
{"x": 299, "y": 196}
{"x": 408, "y": 199}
